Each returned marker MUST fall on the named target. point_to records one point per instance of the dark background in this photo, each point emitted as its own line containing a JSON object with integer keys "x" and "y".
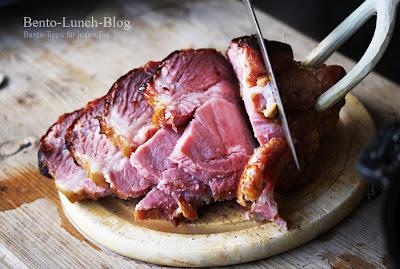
{"x": 317, "y": 18}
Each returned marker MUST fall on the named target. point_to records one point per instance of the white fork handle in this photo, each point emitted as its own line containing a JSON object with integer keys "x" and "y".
{"x": 386, "y": 14}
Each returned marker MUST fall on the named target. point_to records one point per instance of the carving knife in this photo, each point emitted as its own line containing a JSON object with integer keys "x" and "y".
{"x": 272, "y": 81}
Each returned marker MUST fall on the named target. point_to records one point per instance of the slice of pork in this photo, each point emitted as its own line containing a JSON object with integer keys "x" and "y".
{"x": 151, "y": 158}
{"x": 176, "y": 198}
{"x": 246, "y": 59}
{"x": 173, "y": 196}
{"x": 299, "y": 87}
{"x": 185, "y": 80}
{"x": 215, "y": 146}
{"x": 56, "y": 161}
{"x": 103, "y": 162}
{"x": 127, "y": 116}
{"x": 165, "y": 200}
{"x": 157, "y": 205}
{"x": 259, "y": 177}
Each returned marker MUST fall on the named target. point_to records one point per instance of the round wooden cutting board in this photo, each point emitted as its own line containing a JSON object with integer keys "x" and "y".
{"x": 222, "y": 235}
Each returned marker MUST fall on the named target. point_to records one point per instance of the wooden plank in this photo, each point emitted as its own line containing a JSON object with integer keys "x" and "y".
{"x": 47, "y": 78}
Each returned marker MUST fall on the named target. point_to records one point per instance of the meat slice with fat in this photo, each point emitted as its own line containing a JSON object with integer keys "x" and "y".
{"x": 184, "y": 81}
{"x": 103, "y": 162}
{"x": 56, "y": 161}
{"x": 127, "y": 115}
{"x": 299, "y": 87}
{"x": 255, "y": 90}
{"x": 259, "y": 177}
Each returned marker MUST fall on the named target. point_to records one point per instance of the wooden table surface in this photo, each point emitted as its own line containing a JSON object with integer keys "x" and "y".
{"x": 49, "y": 77}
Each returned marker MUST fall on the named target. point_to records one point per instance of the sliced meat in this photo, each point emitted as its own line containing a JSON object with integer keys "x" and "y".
{"x": 125, "y": 181}
{"x": 299, "y": 87}
{"x": 127, "y": 116}
{"x": 255, "y": 89}
{"x": 56, "y": 161}
{"x": 256, "y": 101}
{"x": 246, "y": 59}
{"x": 177, "y": 194}
{"x": 259, "y": 177}
{"x": 88, "y": 147}
{"x": 184, "y": 81}
{"x": 174, "y": 132}
{"x": 268, "y": 157}
{"x": 215, "y": 147}
{"x": 177, "y": 197}
{"x": 204, "y": 163}
{"x": 157, "y": 205}
{"x": 151, "y": 158}
{"x": 266, "y": 207}
{"x": 183, "y": 186}
{"x": 103, "y": 162}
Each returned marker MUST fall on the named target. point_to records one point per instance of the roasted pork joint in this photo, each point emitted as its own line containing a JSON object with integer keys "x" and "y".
{"x": 271, "y": 167}
{"x": 176, "y": 135}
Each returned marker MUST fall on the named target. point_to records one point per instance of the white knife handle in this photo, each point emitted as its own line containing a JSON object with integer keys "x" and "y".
{"x": 386, "y": 14}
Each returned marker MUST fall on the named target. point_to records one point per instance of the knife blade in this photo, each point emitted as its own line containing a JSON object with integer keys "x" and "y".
{"x": 272, "y": 81}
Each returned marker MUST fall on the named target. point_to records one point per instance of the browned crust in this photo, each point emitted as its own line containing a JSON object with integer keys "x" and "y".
{"x": 78, "y": 196}
{"x": 265, "y": 164}
{"x": 155, "y": 214}
{"x": 329, "y": 75}
{"x": 42, "y": 164}
{"x": 109, "y": 101}
{"x": 251, "y": 42}
{"x": 246, "y": 41}
{"x": 45, "y": 148}
{"x": 187, "y": 210}
{"x": 90, "y": 110}
{"x": 280, "y": 54}
{"x": 68, "y": 137}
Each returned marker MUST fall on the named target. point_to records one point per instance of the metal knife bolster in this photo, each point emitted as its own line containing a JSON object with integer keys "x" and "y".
{"x": 272, "y": 81}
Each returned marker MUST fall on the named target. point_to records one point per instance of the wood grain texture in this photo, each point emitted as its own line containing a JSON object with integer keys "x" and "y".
{"x": 50, "y": 77}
